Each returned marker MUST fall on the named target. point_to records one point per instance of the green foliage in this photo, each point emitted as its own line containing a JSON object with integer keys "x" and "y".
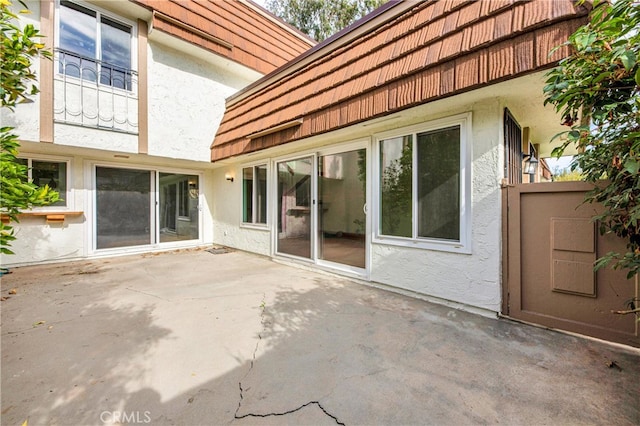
{"x": 17, "y": 83}
{"x": 568, "y": 176}
{"x": 320, "y": 19}
{"x": 600, "y": 82}
{"x": 397, "y": 195}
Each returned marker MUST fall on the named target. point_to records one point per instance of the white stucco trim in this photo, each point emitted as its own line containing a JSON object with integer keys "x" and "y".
{"x": 464, "y": 244}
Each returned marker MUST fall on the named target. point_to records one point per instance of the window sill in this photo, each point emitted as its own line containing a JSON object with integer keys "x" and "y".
{"x": 50, "y": 216}
{"x": 255, "y": 226}
{"x": 433, "y": 245}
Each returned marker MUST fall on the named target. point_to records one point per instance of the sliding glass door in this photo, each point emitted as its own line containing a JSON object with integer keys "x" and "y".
{"x": 142, "y": 207}
{"x": 321, "y": 208}
{"x": 295, "y": 203}
{"x": 342, "y": 219}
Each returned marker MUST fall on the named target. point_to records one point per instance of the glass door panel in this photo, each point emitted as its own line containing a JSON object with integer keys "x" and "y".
{"x": 294, "y": 207}
{"x": 179, "y": 214}
{"x": 123, "y": 207}
{"x": 341, "y": 208}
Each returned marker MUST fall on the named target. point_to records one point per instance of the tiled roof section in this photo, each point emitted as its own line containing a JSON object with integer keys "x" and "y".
{"x": 243, "y": 35}
{"x": 435, "y": 49}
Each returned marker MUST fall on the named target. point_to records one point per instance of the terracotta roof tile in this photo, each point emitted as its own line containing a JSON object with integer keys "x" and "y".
{"x": 433, "y": 49}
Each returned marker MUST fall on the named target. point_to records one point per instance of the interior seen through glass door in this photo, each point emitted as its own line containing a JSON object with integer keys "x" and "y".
{"x": 294, "y": 207}
{"x": 341, "y": 208}
{"x": 179, "y": 214}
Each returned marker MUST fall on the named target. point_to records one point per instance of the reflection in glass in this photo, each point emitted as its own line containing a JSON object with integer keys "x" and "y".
{"x": 80, "y": 37}
{"x": 294, "y": 213}
{"x": 123, "y": 207}
{"x": 77, "y": 29}
{"x": 254, "y": 194}
{"x": 53, "y": 174}
{"x": 341, "y": 201}
{"x": 116, "y": 54}
{"x": 179, "y": 214}
{"x": 261, "y": 194}
{"x": 78, "y": 40}
{"x": 396, "y": 186}
{"x": 247, "y": 195}
{"x": 439, "y": 184}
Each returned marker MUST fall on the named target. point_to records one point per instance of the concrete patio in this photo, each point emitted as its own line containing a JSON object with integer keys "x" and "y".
{"x": 190, "y": 338}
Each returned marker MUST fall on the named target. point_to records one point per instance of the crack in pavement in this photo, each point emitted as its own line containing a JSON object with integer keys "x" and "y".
{"x": 284, "y": 413}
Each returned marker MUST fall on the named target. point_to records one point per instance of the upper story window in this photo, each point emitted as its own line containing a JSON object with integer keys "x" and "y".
{"x": 94, "y": 47}
{"x": 424, "y": 184}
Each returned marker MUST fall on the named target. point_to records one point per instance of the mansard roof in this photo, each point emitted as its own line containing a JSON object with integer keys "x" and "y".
{"x": 239, "y": 30}
{"x": 402, "y": 55}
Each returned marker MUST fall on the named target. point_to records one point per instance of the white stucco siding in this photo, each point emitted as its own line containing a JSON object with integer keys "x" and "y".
{"x": 469, "y": 277}
{"x": 186, "y": 103}
{"x": 85, "y": 137}
{"x": 25, "y": 117}
{"x": 227, "y": 215}
{"x": 38, "y": 241}
{"x": 472, "y": 279}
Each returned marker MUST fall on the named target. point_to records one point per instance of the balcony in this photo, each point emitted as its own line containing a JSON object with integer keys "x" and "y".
{"x": 95, "y": 94}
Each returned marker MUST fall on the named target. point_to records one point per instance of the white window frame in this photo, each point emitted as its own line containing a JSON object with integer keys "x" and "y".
{"x": 253, "y": 224}
{"x": 67, "y": 196}
{"x": 91, "y": 207}
{"x": 99, "y": 12}
{"x": 464, "y": 244}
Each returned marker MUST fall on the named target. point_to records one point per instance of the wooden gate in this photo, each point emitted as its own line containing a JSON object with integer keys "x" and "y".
{"x": 550, "y": 244}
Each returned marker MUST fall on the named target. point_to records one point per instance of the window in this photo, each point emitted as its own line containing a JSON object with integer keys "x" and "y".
{"x": 94, "y": 47}
{"x": 512, "y": 149}
{"x": 52, "y": 173}
{"x": 254, "y": 194}
{"x": 422, "y": 184}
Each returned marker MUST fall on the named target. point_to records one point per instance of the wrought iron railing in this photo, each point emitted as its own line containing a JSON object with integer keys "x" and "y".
{"x": 93, "y": 93}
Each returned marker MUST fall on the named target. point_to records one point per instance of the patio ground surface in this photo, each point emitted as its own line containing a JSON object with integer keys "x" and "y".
{"x": 190, "y": 338}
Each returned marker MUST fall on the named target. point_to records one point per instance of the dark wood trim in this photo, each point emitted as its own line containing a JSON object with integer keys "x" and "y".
{"x": 45, "y": 78}
{"x": 143, "y": 89}
{"x": 283, "y": 126}
{"x": 504, "y": 192}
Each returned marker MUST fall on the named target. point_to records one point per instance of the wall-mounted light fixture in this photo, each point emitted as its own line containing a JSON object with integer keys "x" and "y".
{"x": 530, "y": 164}
{"x": 229, "y": 177}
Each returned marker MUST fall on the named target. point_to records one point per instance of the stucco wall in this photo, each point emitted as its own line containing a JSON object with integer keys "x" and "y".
{"x": 469, "y": 279}
{"x": 227, "y": 215}
{"x": 37, "y": 241}
{"x": 25, "y": 118}
{"x": 186, "y": 103}
{"x": 472, "y": 279}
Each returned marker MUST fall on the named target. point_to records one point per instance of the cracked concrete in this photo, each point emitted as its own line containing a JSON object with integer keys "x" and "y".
{"x": 191, "y": 338}
{"x": 283, "y": 413}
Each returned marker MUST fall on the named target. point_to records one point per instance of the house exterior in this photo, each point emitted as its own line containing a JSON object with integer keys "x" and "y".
{"x": 378, "y": 154}
{"x": 124, "y": 121}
